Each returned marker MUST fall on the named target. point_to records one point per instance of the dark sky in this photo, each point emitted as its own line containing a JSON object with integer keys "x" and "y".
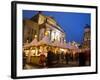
{"x": 72, "y": 23}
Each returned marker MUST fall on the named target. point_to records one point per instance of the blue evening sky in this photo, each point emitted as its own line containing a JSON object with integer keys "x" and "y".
{"x": 72, "y": 23}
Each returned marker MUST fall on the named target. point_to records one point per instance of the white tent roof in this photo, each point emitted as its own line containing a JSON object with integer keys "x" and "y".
{"x": 26, "y": 45}
{"x": 55, "y": 43}
{"x": 70, "y": 46}
{"x": 34, "y": 42}
{"x": 64, "y": 45}
{"x": 58, "y": 44}
{"x": 45, "y": 41}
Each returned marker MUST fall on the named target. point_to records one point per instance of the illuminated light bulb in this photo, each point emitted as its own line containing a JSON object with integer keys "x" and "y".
{"x": 35, "y": 36}
{"x": 46, "y": 33}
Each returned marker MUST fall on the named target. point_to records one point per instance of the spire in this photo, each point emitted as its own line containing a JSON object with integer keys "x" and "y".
{"x": 87, "y": 26}
{"x": 40, "y": 12}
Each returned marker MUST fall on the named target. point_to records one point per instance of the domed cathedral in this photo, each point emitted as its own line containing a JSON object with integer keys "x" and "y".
{"x": 87, "y": 37}
{"x": 39, "y": 26}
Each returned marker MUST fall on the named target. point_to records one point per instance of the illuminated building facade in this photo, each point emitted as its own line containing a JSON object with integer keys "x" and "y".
{"x": 87, "y": 37}
{"x": 39, "y": 25}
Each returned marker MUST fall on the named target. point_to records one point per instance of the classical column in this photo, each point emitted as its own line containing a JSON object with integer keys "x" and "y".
{"x": 50, "y": 34}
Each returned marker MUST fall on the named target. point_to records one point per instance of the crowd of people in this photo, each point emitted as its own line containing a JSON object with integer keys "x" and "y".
{"x": 53, "y": 58}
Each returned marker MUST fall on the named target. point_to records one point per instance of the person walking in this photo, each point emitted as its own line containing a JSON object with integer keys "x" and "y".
{"x": 42, "y": 60}
{"x": 82, "y": 58}
{"x": 49, "y": 58}
{"x": 67, "y": 57}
